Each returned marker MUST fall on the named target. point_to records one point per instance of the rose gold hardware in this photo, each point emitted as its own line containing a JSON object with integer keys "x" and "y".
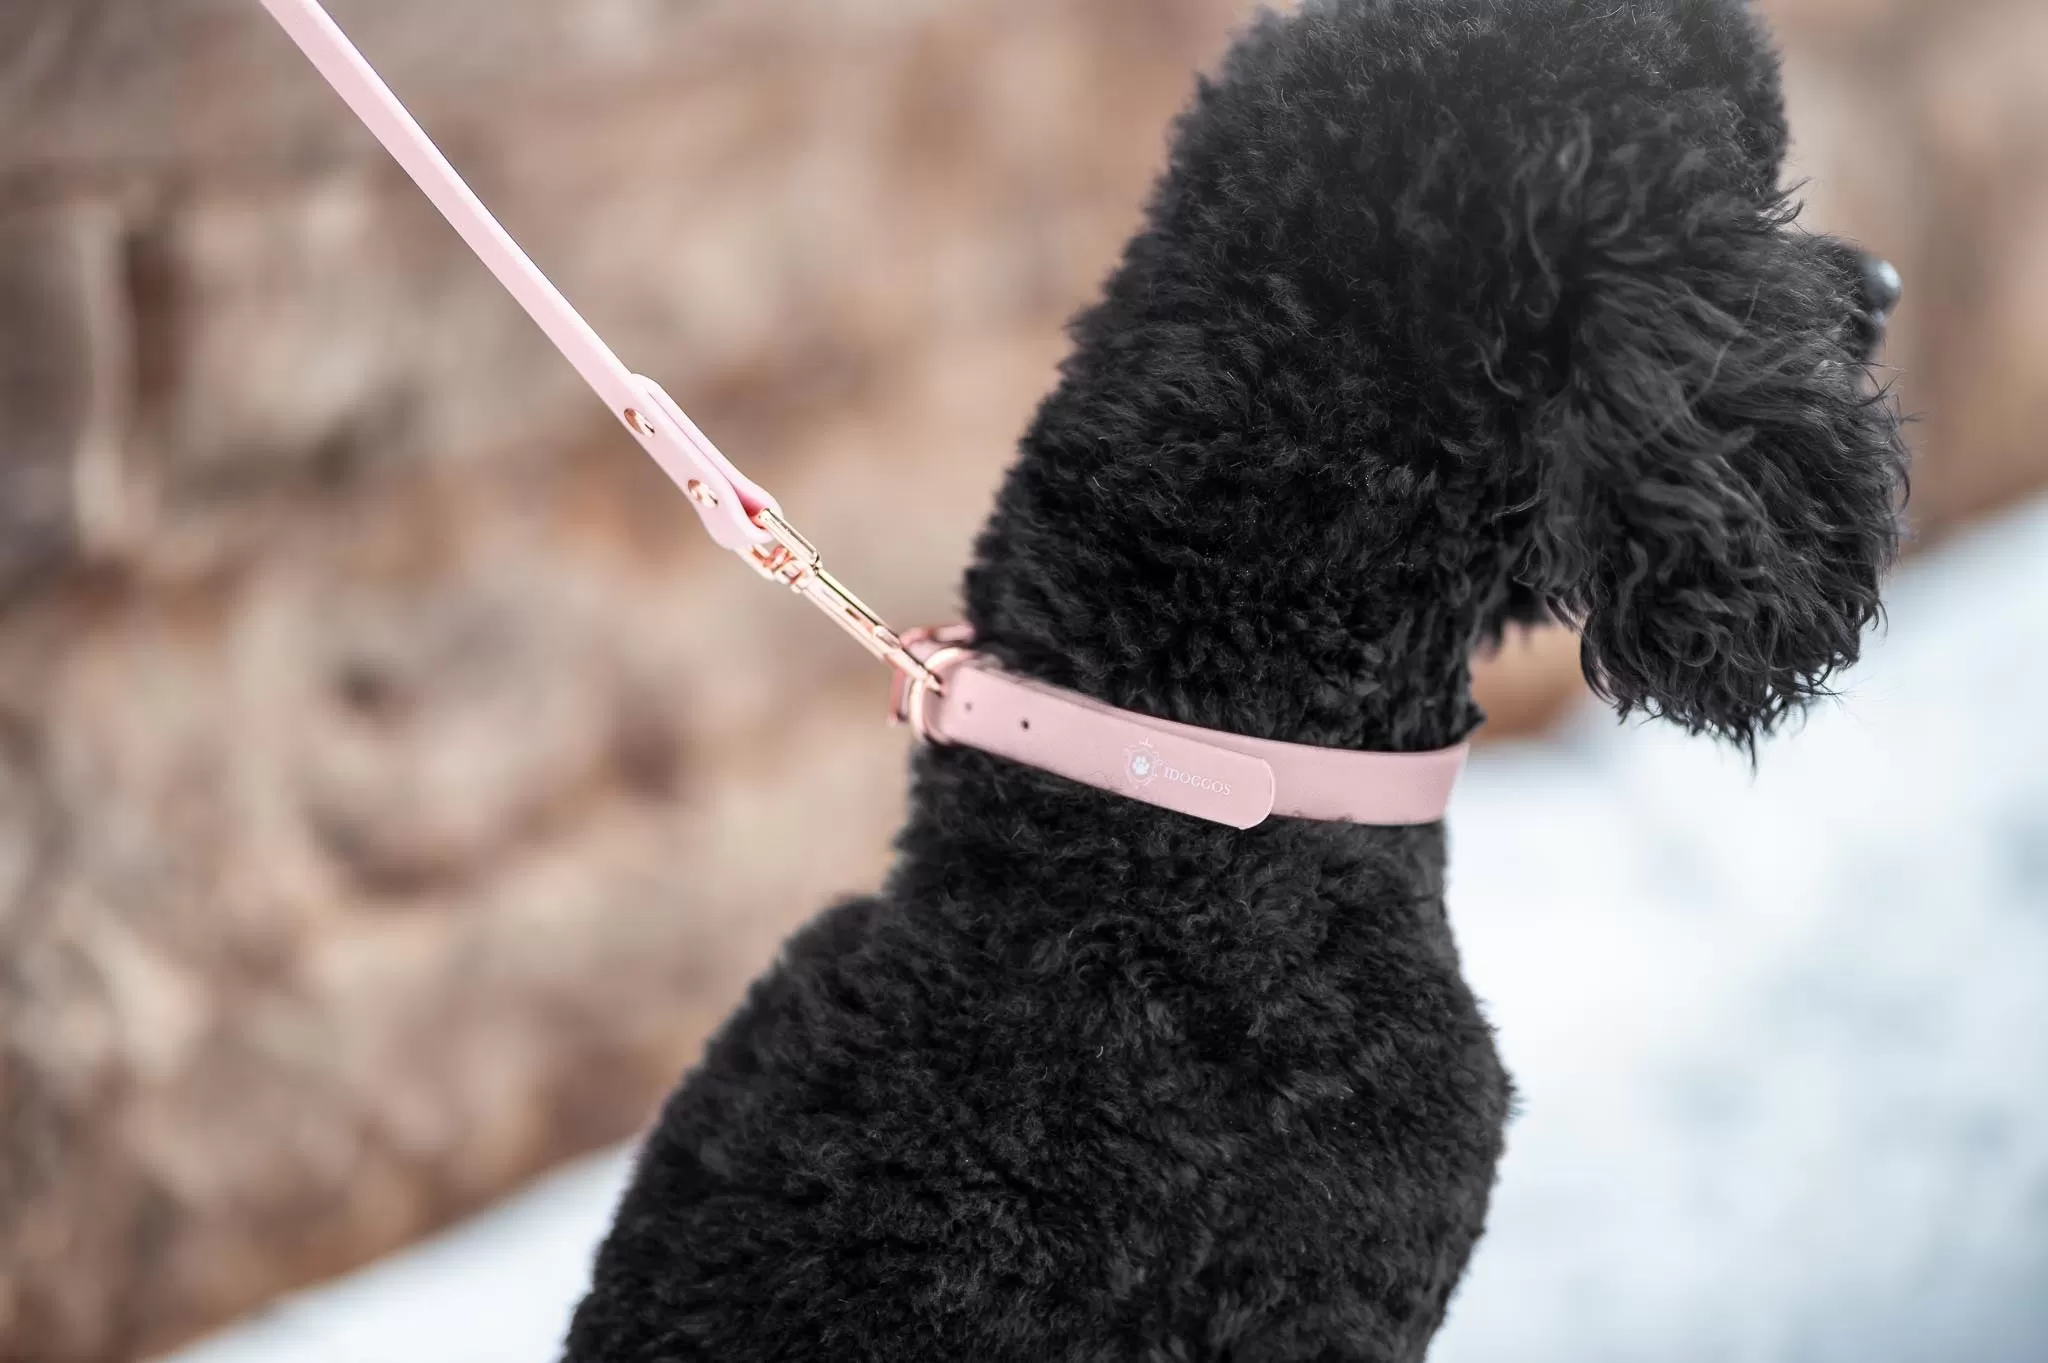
{"x": 908, "y": 694}
{"x": 794, "y": 562}
{"x": 640, "y": 424}
{"x": 700, "y": 494}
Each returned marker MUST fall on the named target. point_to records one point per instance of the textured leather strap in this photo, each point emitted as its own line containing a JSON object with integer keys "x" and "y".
{"x": 724, "y": 498}
{"x": 1222, "y": 777}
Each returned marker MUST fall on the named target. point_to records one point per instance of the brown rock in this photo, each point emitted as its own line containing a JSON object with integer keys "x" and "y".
{"x": 393, "y": 786}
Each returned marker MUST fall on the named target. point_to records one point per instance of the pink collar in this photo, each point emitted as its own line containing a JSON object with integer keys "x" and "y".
{"x": 950, "y": 694}
{"x": 1223, "y": 777}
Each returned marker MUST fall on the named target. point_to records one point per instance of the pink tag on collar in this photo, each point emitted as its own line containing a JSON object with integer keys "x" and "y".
{"x": 1222, "y": 777}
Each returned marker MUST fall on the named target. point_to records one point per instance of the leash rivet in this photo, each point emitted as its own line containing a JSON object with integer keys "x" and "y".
{"x": 700, "y": 494}
{"x": 640, "y": 424}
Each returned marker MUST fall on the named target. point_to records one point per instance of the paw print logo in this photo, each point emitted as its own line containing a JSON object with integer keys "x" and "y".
{"x": 1141, "y": 763}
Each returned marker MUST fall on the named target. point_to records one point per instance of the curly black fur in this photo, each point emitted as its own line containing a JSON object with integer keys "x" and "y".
{"x": 1447, "y": 313}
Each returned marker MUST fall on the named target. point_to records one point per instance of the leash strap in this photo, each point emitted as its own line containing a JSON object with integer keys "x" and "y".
{"x": 1222, "y": 777}
{"x": 949, "y": 693}
{"x": 739, "y": 514}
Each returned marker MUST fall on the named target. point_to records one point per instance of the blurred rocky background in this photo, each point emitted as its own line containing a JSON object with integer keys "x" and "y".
{"x": 394, "y": 784}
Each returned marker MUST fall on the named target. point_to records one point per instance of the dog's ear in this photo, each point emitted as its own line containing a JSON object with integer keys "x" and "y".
{"x": 1713, "y": 481}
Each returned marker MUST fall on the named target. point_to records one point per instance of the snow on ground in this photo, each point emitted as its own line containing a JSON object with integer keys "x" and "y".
{"x": 1781, "y": 1039}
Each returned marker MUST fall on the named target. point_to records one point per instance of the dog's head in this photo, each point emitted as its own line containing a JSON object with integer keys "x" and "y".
{"x": 1710, "y": 481}
{"x": 1448, "y": 313}
{"x": 1653, "y": 385}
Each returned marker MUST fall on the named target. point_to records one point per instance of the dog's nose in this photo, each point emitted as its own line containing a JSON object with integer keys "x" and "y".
{"x": 1882, "y": 286}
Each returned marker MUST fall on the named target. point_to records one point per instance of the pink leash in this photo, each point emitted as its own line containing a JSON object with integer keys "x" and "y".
{"x": 948, "y": 692}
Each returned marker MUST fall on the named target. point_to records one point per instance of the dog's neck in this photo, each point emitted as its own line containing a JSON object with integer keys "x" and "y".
{"x": 1184, "y": 538}
{"x": 1199, "y": 585}
{"x": 1187, "y": 536}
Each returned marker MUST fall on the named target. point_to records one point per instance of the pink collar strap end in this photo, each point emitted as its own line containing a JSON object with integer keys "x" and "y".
{"x": 1221, "y": 777}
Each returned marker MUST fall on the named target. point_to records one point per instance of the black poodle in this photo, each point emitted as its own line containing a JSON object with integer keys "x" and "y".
{"x": 1446, "y": 313}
